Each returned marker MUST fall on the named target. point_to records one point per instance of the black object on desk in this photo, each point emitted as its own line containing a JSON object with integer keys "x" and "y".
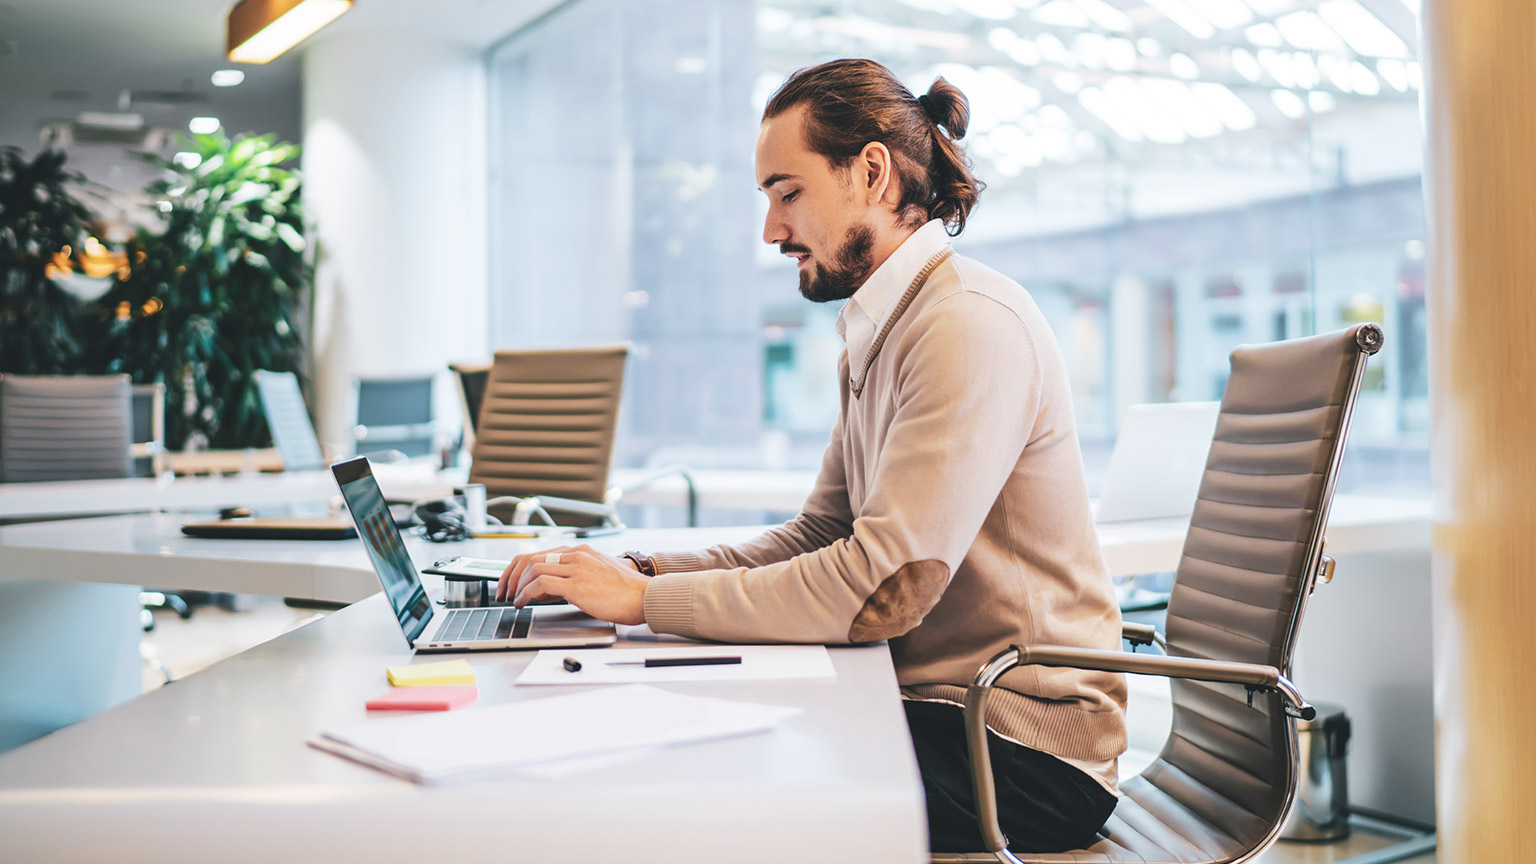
{"x": 653, "y": 662}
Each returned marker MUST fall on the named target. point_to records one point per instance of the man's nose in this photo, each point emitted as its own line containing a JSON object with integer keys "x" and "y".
{"x": 774, "y": 230}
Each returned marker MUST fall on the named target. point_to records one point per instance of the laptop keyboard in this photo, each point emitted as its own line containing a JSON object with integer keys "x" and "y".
{"x": 474, "y": 625}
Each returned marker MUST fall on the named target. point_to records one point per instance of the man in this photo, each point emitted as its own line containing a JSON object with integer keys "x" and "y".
{"x": 951, "y": 515}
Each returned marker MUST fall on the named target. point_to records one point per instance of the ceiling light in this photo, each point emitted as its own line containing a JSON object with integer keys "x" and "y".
{"x": 1184, "y": 66}
{"x": 1225, "y": 14}
{"x": 1135, "y": 100}
{"x": 1365, "y": 81}
{"x": 1289, "y": 104}
{"x": 1099, "y": 105}
{"x": 204, "y": 125}
{"x": 1271, "y": 8}
{"x": 1068, "y": 82}
{"x": 1062, "y": 13}
{"x": 1308, "y": 32}
{"x": 1395, "y": 72}
{"x": 1230, "y": 107}
{"x": 1266, "y": 34}
{"x": 1089, "y": 48}
{"x": 261, "y": 30}
{"x": 1105, "y": 15}
{"x": 1179, "y": 13}
{"x": 1149, "y": 47}
{"x": 1052, "y": 48}
{"x": 228, "y": 78}
{"x": 1120, "y": 54}
{"x": 1278, "y": 65}
{"x": 1246, "y": 64}
{"x": 994, "y": 10}
{"x": 1322, "y": 101}
{"x": 1415, "y": 75}
{"x": 1307, "y": 74}
{"x": 1181, "y": 103}
{"x": 1363, "y": 31}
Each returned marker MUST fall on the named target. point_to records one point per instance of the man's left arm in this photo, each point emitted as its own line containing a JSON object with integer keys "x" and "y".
{"x": 968, "y": 393}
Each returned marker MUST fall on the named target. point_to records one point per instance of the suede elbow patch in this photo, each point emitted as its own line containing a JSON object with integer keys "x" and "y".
{"x": 900, "y": 602}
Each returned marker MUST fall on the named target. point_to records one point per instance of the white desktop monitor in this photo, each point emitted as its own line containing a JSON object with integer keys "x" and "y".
{"x": 1159, "y": 457}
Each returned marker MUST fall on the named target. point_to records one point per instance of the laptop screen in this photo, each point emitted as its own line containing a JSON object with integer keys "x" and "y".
{"x": 402, "y": 584}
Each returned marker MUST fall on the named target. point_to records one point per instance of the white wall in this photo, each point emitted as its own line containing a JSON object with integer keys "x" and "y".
{"x": 395, "y": 181}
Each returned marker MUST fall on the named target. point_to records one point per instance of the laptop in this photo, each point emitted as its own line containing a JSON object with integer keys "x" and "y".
{"x": 467, "y": 629}
{"x": 1159, "y": 457}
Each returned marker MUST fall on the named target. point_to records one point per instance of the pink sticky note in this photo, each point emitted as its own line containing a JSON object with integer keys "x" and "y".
{"x": 439, "y": 698}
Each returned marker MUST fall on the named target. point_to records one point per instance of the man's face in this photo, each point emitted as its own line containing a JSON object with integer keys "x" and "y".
{"x": 814, "y": 213}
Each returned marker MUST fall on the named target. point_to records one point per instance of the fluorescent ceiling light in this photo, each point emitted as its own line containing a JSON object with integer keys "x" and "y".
{"x": 1365, "y": 81}
{"x": 1271, "y": 8}
{"x": 1179, "y": 13}
{"x": 1134, "y": 100}
{"x": 1056, "y": 145}
{"x": 1055, "y": 115}
{"x": 1089, "y": 49}
{"x": 1266, "y": 34}
{"x": 228, "y": 78}
{"x": 1184, "y": 66}
{"x": 1068, "y": 82}
{"x": 1225, "y": 14}
{"x": 204, "y": 125}
{"x": 1395, "y": 72}
{"x": 994, "y": 10}
{"x": 1100, "y": 106}
{"x": 261, "y": 30}
{"x": 1185, "y": 107}
{"x": 1338, "y": 72}
{"x": 1278, "y": 65}
{"x": 1052, "y": 48}
{"x": 1363, "y": 31}
{"x": 1062, "y": 13}
{"x": 111, "y": 119}
{"x": 1149, "y": 47}
{"x": 1120, "y": 54}
{"x": 1322, "y": 101}
{"x": 1289, "y": 104}
{"x": 1246, "y": 64}
{"x": 1308, "y": 32}
{"x": 1415, "y": 75}
{"x": 1307, "y": 74}
{"x": 1230, "y": 107}
{"x": 1105, "y": 15}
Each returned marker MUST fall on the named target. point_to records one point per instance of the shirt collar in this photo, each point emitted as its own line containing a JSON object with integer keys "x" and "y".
{"x": 879, "y": 293}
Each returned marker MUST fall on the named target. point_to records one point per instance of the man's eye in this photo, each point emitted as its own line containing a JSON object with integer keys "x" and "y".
{"x": 791, "y": 196}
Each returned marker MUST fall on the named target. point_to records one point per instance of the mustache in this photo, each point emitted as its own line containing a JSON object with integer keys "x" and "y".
{"x": 788, "y": 248}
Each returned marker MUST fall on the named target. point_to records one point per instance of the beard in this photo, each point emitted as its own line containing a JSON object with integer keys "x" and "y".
{"x": 845, "y": 273}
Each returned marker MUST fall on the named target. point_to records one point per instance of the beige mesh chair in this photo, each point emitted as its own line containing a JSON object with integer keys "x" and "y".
{"x": 1224, "y": 782}
{"x": 65, "y": 428}
{"x": 545, "y": 432}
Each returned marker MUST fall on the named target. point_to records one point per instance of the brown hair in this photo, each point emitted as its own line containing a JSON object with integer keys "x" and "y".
{"x": 851, "y": 103}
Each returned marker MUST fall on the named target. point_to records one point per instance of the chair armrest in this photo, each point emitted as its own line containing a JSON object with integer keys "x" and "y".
{"x": 1142, "y": 634}
{"x": 617, "y": 493}
{"x": 1251, "y": 675}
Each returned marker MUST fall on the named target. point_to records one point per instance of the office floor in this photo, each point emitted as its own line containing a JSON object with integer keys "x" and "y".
{"x": 212, "y": 634}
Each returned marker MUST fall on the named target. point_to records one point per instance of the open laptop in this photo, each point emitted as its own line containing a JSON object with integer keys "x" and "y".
{"x": 469, "y": 629}
{"x": 1155, "y": 469}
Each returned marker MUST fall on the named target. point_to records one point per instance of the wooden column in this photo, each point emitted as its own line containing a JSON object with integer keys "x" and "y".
{"x": 1480, "y": 182}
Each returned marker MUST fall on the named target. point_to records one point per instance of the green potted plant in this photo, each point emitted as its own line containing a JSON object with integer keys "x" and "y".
{"x": 216, "y": 294}
{"x": 42, "y": 226}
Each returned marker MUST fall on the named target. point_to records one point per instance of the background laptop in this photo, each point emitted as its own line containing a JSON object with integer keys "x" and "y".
{"x": 1154, "y": 471}
{"x": 473, "y": 629}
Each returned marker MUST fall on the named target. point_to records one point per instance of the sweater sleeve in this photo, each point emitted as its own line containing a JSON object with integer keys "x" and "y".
{"x": 967, "y": 392}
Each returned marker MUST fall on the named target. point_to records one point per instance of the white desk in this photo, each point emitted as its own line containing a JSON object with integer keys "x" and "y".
{"x": 214, "y": 768}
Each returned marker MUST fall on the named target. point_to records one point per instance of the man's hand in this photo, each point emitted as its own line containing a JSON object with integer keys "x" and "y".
{"x": 600, "y": 585}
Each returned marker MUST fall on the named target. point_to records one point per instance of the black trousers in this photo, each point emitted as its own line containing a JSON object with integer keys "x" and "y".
{"x": 1044, "y": 804}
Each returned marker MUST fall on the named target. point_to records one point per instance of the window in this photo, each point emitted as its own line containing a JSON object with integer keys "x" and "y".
{"x": 1169, "y": 178}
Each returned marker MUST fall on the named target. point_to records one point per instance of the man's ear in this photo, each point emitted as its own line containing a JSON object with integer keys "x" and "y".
{"x": 873, "y": 172}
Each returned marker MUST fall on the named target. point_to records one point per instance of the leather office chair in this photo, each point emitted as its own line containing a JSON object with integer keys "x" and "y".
{"x": 1221, "y": 787}
{"x": 546, "y": 432}
{"x": 65, "y": 428}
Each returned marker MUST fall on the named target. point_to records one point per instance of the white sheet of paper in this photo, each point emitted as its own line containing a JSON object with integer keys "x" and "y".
{"x": 536, "y": 735}
{"x": 758, "y": 663}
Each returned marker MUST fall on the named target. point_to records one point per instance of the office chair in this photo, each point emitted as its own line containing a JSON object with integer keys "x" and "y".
{"x": 472, "y": 379}
{"x": 288, "y": 420}
{"x": 1221, "y": 787}
{"x": 147, "y": 406}
{"x": 394, "y": 415}
{"x": 65, "y": 428}
{"x": 546, "y": 432}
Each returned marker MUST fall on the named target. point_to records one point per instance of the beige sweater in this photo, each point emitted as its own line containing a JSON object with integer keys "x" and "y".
{"x": 950, "y": 517}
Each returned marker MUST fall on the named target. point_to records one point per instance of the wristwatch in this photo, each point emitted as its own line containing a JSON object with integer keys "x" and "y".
{"x": 642, "y": 562}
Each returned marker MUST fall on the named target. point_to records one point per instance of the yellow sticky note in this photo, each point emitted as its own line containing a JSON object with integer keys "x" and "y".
{"x": 432, "y": 674}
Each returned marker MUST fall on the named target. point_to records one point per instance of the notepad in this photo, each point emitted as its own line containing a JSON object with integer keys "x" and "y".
{"x": 427, "y": 698}
{"x": 535, "y": 737}
{"x": 432, "y": 674}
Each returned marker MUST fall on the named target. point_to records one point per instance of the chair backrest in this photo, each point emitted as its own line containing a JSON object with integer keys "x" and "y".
{"x": 147, "y": 405}
{"x": 288, "y": 420}
{"x": 64, "y": 428}
{"x": 547, "y": 422}
{"x": 1250, "y": 558}
{"x": 396, "y": 414}
{"x": 472, "y": 379}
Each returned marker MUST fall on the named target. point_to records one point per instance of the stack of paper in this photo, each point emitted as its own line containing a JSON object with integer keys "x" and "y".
{"x": 529, "y": 737}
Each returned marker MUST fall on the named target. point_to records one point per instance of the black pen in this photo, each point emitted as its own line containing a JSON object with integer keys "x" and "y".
{"x": 651, "y": 662}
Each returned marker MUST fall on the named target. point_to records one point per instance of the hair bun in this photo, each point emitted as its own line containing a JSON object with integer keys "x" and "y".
{"x": 946, "y": 106}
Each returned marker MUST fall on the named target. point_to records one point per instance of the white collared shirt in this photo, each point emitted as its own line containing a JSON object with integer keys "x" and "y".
{"x": 865, "y": 312}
